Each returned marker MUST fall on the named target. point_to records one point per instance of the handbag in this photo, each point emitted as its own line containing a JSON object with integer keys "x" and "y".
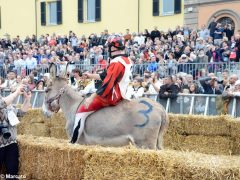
{"x": 233, "y": 55}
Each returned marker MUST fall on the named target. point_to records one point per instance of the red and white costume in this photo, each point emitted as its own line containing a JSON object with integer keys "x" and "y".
{"x": 112, "y": 91}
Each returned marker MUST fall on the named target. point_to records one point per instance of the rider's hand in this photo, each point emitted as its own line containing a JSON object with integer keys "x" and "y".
{"x": 87, "y": 74}
{"x": 88, "y": 101}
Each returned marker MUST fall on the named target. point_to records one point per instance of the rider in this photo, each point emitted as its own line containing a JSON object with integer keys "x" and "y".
{"x": 115, "y": 82}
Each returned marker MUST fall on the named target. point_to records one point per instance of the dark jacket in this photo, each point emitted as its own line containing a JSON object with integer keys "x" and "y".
{"x": 171, "y": 89}
{"x": 207, "y": 87}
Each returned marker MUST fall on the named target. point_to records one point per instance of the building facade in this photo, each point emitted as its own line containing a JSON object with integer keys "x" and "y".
{"x": 27, "y": 17}
{"x": 199, "y": 12}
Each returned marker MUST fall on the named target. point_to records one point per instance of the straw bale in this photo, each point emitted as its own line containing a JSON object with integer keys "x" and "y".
{"x": 49, "y": 158}
{"x": 236, "y": 146}
{"x": 33, "y": 116}
{"x": 208, "y": 144}
{"x": 235, "y": 129}
{"x": 35, "y": 129}
{"x": 211, "y": 132}
{"x": 173, "y": 141}
{"x": 203, "y": 125}
{"x": 58, "y": 132}
{"x": 58, "y": 120}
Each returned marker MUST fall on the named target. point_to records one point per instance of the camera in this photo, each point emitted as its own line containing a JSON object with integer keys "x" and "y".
{"x": 27, "y": 89}
{"x": 4, "y": 130}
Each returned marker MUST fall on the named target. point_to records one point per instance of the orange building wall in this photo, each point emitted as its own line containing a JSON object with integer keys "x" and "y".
{"x": 205, "y": 12}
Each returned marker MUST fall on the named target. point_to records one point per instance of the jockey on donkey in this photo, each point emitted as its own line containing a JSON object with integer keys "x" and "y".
{"x": 141, "y": 122}
{"x": 114, "y": 86}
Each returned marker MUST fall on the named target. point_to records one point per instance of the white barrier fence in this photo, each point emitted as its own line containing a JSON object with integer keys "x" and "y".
{"x": 184, "y": 104}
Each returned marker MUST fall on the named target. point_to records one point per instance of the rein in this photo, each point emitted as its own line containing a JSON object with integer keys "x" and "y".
{"x": 57, "y": 97}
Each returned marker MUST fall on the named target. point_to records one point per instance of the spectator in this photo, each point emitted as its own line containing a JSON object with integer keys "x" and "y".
{"x": 10, "y": 82}
{"x": 218, "y": 34}
{"x": 9, "y": 151}
{"x": 136, "y": 90}
{"x": 169, "y": 89}
{"x": 31, "y": 62}
{"x": 210, "y": 85}
{"x": 171, "y": 64}
{"x": 146, "y": 34}
{"x": 152, "y": 67}
{"x": 155, "y": 33}
{"x": 212, "y": 27}
{"x": 40, "y": 85}
{"x": 229, "y": 31}
{"x": 155, "y": 84}
{"x": 127, "y": 36}
{"x": 193, "y": 89}
{"x": 204, "y": 32}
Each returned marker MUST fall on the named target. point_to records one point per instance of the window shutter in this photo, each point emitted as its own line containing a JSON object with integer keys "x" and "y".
{"x": 43, "y": 13}
{"x": 155, "y": 7}
{"x": 98, "y": 10}
{"x": 59, "y": 12}
{"x": 177, "y": 6}
{"x": 80, "y": 10}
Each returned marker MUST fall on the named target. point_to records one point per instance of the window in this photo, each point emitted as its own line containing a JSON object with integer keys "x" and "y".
{"x": 55, "y": 12}
{"x": 89, "y": 10}
{"x": 52, "y": 10}
{"x": 167, "y": 7}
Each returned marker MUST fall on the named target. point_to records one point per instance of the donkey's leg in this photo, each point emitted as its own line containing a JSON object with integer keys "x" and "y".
{"x": 163, "y": 128}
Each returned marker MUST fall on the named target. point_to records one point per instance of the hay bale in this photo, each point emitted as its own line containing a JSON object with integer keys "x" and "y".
{"x": 235, "y": 129}
{"x": 58, "y": 132}
{"x": 49, "y": 158}
{"x": 236, "y": 146}
{"x": 173, "y": 141}
{"x": 203, "y": 125}
{"x": 35, "y": 129}
{"x": 33, "y": 116}
{"x": 210, "y": 134}
{"x": 58, "y": 120}
{"x": 217, "y": 145}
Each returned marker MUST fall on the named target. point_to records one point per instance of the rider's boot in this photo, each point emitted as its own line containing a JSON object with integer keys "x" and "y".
{"x": 79, "y": 125}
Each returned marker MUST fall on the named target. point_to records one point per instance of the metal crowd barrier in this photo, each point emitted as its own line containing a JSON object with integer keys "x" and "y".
{"x": 196, "y": 69}
{"x": 201, "y": 104}
{"x": 37, "y": 98}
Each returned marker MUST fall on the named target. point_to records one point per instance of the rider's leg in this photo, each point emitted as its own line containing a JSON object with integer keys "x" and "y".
{"x": 82, "y": 114}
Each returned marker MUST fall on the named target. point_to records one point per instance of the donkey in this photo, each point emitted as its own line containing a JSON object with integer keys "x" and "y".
{"x": 141, "y": 122}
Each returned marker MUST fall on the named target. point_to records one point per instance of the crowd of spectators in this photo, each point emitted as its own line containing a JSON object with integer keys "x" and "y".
{"x": 181, "y": 60}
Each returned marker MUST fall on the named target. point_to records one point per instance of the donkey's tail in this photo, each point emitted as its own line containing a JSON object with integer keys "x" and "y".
{"x": 163, "y": 128}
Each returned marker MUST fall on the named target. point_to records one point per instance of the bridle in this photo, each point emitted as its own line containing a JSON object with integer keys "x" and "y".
{"x": 56, "y": 97}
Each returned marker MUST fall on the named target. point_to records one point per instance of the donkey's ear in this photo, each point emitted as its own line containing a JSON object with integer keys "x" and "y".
{"x": 53, "y": 70}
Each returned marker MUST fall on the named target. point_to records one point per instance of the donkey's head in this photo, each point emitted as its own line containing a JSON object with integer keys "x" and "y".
{"x": 56, "y": 87}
